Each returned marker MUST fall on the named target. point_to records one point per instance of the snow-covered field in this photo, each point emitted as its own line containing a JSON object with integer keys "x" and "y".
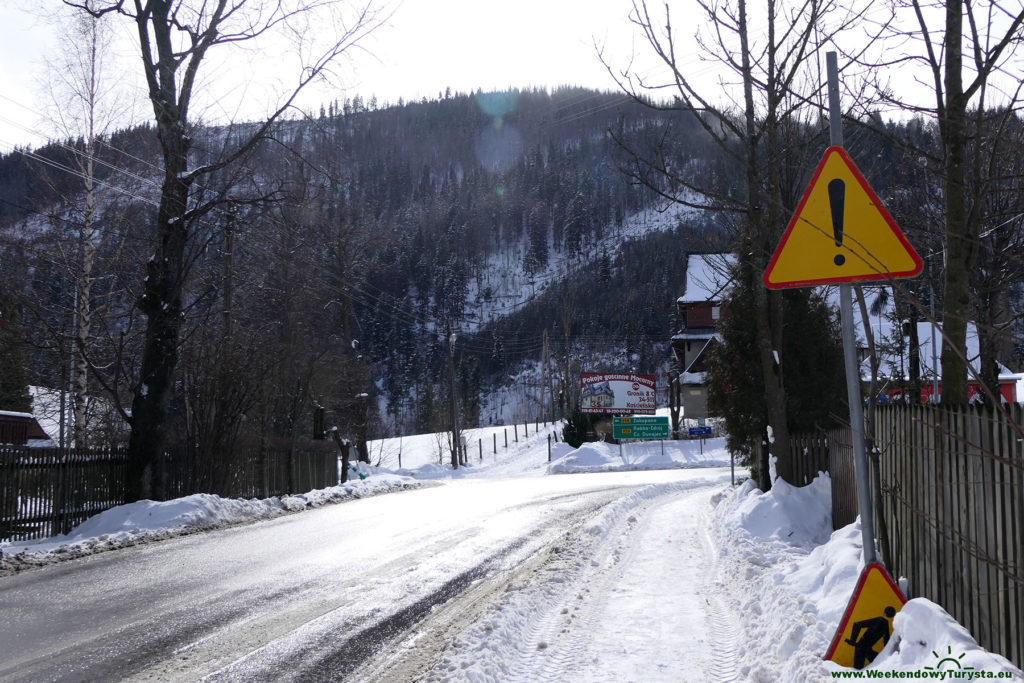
{"x": 666, "y": 573}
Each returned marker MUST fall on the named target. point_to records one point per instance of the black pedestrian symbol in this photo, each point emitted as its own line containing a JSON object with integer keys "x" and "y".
{"x": 870, "y": 632}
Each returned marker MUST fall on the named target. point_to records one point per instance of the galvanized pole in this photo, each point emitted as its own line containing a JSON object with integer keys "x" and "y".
{"x": 867, "y": 522}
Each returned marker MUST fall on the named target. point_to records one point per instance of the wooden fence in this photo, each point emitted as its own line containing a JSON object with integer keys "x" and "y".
{"x": 830, "y": 451}
{"x": 44, "y": 492}
{"x": 259, "y": 474}
{"x": 47, "y": 491}
{"x": 952, "y": 495}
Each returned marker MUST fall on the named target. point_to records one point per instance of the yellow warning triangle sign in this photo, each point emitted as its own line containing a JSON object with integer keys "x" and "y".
{"x": 840, "y": 233}
{"x": 867, "y": 623}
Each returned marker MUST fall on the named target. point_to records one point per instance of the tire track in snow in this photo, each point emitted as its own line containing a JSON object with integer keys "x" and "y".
{"x": 722, "y": 623}
{"x": 557, "y": 641}
{"x": 420, "y": 653}
{"x": 575, "y": 637}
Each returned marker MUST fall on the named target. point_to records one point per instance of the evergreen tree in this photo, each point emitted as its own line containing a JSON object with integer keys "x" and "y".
{"x": 13, "y": 375}
{"x": 812, "y": 356}
{"x": 577, "y": 429}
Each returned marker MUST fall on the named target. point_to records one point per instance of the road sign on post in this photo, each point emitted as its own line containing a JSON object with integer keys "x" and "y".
{"x": 840, "y": 233}
{"x": 640, "y": 428}
{"x": 700, "y": 431}
{"x": 867, "y": 624}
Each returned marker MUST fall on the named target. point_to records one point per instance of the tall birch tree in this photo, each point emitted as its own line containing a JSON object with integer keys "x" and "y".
{"x": 85, "y": 105}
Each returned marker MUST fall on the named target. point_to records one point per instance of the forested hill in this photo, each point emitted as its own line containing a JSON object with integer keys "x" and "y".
{"x": 339, "y": 255}
{"x": 510, "y": 217}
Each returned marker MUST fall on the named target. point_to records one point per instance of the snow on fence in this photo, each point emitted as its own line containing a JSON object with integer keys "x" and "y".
{"x": 48, "y": 491}
{"x": 952, "y": 494}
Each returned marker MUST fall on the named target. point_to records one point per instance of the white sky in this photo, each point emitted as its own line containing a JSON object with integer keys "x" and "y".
{"x": 426, "y": 46}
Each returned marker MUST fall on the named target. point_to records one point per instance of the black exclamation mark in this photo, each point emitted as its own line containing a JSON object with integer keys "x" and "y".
{"x": 837, "y": 201}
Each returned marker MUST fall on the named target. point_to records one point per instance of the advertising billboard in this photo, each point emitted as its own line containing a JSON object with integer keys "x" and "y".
{"x": 602, "y": 392}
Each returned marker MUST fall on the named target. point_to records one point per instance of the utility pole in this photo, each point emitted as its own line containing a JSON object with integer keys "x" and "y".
{"x": 543, "y": 375}
{"x": 452, "y": 403}
{"x": 551, "y": 381}
{"x": 867, "y": 523}
{"x": 227, "y": 286}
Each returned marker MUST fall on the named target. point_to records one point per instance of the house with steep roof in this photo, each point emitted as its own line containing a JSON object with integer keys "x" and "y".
{"x": 708, "y": 279}
{"x": 20, "y": 429}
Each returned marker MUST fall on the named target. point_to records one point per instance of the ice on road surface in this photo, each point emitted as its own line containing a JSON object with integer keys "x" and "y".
{"x": 594, "y": 567}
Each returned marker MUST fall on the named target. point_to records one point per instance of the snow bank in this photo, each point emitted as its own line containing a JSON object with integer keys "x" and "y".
{"x": 793, "y": 581}
{"x": 801, "y": 516}
{"x": 148, "y": 520}
{"x": 599, "y": 456}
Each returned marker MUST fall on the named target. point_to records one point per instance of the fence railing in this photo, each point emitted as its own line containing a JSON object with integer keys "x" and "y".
{"x": 47, "y": 491}
{"x": 952, "y": 499}
{"x": 44, "y": 492}
{"x": 830, "y": 451}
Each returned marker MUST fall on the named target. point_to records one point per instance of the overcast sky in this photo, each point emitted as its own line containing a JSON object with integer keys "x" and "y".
{"x": 425, "y": 47}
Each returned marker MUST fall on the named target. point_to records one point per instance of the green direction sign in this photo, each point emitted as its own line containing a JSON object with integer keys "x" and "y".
{"x": 640, "y": 427}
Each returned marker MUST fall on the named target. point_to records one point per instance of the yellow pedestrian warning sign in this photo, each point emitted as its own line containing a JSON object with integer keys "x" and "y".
{"x": 867, "y": 623}
{"x": 840, "y": 233}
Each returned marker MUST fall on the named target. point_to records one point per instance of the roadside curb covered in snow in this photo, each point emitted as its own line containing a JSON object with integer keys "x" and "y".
{"x": 149, "y": 521}
{"x": 797, "y": 577}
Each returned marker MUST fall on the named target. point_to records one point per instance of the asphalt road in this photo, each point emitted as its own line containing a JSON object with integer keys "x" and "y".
{"x": 311, "y": 596}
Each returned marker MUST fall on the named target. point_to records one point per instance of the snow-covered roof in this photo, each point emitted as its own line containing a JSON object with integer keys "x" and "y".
{"x": 46, "y": 409}
{"x": 893, "y": 363}
{"x": 708, "y": 277}
{"x": 692, "y": 336}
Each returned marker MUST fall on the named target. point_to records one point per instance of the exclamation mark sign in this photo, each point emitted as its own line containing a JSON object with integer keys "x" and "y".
{"x": 837, "y": 202}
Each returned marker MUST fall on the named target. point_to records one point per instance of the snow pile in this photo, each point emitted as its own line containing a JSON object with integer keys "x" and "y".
{"x": 795, "y": 589}
{"x": 599, "y": 456}
{"x": 924, "y": 634}
{"x": 801, "y": 516}
{"x": 148, "y": 520}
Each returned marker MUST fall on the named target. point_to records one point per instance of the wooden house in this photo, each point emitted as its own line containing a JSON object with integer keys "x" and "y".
{"x": 708, "y": 278}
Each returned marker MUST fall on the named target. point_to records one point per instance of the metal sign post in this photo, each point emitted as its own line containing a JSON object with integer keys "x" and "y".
{"x": 867, "y": 521}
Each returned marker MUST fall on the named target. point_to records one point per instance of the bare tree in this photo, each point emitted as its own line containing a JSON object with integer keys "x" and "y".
{"x": 761, "y": 130}
{"x": 175, "y": 38}
{"x": 86, "y": 104}
{"x": 966, "y": 49}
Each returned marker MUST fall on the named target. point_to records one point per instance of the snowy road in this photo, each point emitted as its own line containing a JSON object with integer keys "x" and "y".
{"x": 530, "y": 578}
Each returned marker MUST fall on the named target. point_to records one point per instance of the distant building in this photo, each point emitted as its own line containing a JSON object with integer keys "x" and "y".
{"x": 19, "y": 429}
{"x": 894, "y": 358}
{"x": 708, "y": 278}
